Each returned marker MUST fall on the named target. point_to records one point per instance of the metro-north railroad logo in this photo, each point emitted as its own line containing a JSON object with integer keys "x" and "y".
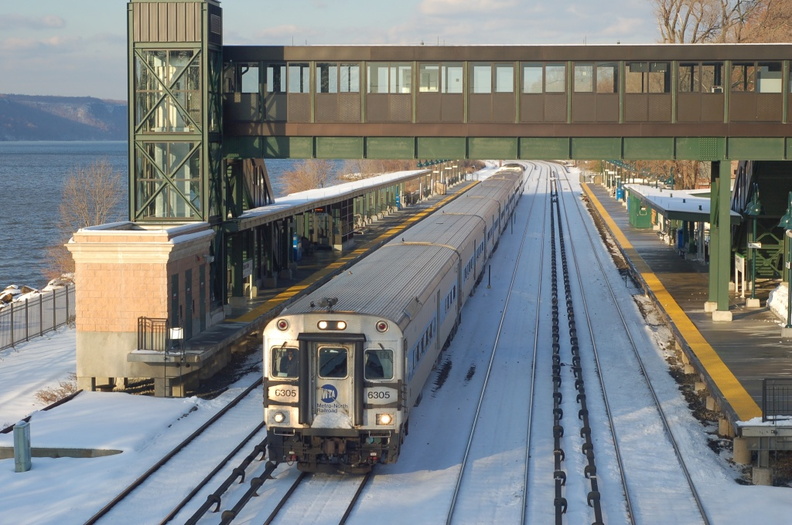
{"x": 329, "y": 393}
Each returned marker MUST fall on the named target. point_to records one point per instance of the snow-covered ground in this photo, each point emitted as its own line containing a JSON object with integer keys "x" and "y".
{"x": 64, "y": 491}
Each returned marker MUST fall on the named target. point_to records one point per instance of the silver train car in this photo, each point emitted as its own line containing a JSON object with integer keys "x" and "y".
{"x": 344, "y": 365}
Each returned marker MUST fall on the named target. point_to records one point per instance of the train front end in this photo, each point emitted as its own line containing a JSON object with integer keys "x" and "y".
{"x": 333, "y": 391}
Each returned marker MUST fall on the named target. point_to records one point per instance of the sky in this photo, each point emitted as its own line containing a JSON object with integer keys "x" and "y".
{"x": 53, "y": 47}
{"x": 66, "y": 491}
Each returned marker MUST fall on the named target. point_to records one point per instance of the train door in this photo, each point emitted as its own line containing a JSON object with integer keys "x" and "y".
{"x": 336, "y": 382}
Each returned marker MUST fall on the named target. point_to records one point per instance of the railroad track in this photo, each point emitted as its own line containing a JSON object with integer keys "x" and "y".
{"x": 230, "y": 430}
{"x": 565, "y": 399}
{"x": 639, "y": 487}
{"x": 512, "y": 430}
{"x": 463, "y": 500}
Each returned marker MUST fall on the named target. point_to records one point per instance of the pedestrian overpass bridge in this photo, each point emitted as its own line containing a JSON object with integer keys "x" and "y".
{"x": 698, "y": 102}
{"x": 203, "y": 117}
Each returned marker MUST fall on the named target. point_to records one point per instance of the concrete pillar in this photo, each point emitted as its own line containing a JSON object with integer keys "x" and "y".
{"x": 22, "y": 462}
{"x": 762, "y": 476}
{"x": 740, "y": 451}
{"x": 725, "y": 428}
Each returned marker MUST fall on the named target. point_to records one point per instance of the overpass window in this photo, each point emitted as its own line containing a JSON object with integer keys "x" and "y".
{"x": 712, "y": 78}
{"x": 452, "y": 78}
{"x": 429, "y": 78}
{"x": 249, "y": 74}
{"x": 275, "y": 78}
{"x": 440, "y": 78}
{"x": 532, "y": 78}
{"x": 349, "y": 78}
{"x": 648, "y": 77}
{"x": 607, "y": 78}
{"x": 389, "y": 78}
{"x": 743, "y": 77}
{"x": 764, "y": 77}
{"x": 700, "y": 78}
{"x": 584, "y": 78}
{"x": 337, "y": 78}
{"x": 688, "y": 78}
{"x": 482, "y": 78}
{"x": 299, "y": 78}
{"x": 555, "y": 78}
{"x": 327, "y": 78}
{"x": 504, "y": 78}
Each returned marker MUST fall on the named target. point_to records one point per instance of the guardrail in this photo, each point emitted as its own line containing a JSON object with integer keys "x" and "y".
{"x": 152, "y": 334}
{"x": 776, "y": 398}
{"x": 34, "y": 316}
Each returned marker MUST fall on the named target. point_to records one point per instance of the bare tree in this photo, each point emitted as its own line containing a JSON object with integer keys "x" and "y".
{"x": 694, "y": 21}
{"x": 90, "y": 195}
{"x": 366, "y": 168}
{"x": 772, "y": 22}
{"x": 307, "y": 175}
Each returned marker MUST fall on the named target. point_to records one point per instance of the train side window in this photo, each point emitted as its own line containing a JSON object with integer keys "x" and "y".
{"x": 379, "y": 364}
{"x": 285, "y": 362}
{"x": 332, "y": 361}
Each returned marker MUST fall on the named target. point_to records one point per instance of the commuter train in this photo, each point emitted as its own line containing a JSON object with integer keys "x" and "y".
{"x": 344, "y": 365}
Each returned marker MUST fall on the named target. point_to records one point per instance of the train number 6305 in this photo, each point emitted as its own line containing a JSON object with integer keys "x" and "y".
{"x": 378, "y": 394}
{"x": 285, "y": 393}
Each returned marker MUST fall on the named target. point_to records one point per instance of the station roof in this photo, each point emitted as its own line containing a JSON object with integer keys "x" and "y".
{"x": 684, "y": 205}
{"x": 297, "y": 203}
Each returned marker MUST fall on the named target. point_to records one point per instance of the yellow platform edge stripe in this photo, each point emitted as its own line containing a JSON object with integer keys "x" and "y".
{"x": 730, "y": 387}
{"x": 290, "y": 292}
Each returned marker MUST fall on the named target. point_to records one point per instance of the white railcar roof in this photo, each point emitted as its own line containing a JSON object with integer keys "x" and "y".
{"x": 443, "y": 228}
{"x": 387, "y": 283}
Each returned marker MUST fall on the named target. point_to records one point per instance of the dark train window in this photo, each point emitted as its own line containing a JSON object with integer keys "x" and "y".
{"x": 285, "y": 362}
{"x": 379, "y": 364}
{"x": 332, "y": 361}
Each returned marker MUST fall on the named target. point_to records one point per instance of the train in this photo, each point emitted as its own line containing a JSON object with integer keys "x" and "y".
{"x": 344, "y": 365}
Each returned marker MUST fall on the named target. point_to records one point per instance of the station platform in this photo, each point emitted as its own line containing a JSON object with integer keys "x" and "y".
{"x": 732, "y": 358}
{"x": 247, "y": 316}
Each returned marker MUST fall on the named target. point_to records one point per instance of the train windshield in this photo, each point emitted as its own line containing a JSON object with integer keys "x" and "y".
{"x": 332, "y": 361}
{"x": 285, "y": 362}
{"x": 379, "y": 364}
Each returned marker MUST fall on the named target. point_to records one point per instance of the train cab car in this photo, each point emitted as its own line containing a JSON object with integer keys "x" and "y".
{"x": 345, "y": 364}
{"x": 334, "y": 390}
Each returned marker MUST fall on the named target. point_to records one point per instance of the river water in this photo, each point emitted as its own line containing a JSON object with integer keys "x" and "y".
{"x": 32, "y": 175}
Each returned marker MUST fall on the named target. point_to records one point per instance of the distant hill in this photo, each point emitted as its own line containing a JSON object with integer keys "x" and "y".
{"x": 24, "y": 117}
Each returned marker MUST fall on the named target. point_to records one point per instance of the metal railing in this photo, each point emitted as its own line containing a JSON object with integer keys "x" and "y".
{"x": 34, "y": 316}
{"x": 152, "y": 334}
{"x": 776, "y": 398}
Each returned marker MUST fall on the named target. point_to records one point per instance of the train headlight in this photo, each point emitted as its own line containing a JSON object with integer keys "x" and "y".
{"x": 331, "y": 325}
{"x": 279, "y": 417}
{"x": 282, "y": 325}
{"x": 384, "y": 419}
{"x": 382, "y": 326}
